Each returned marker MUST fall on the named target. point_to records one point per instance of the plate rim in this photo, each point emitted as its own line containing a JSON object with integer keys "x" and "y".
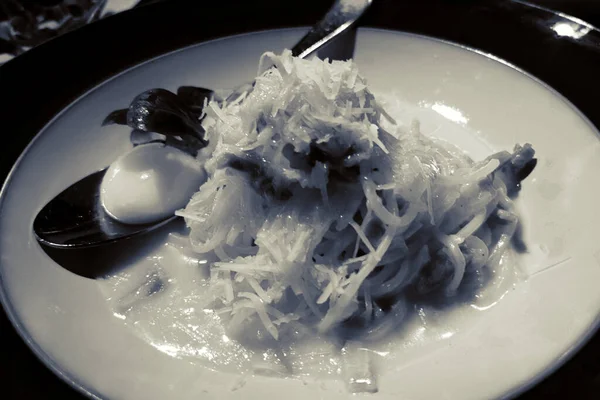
{"x": 130, "y": 15}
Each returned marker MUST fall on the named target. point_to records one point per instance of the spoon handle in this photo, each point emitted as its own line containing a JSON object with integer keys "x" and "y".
{"x": 338, "y": 19}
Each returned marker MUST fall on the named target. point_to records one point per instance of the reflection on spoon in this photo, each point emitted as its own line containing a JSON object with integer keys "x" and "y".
{"x": 149, "y": 184}
{"x": 139, "y": 192}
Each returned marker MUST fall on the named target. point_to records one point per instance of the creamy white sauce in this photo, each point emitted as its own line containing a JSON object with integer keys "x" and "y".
{"x": 150, "y": 183}
{"x": 164, "y": 300}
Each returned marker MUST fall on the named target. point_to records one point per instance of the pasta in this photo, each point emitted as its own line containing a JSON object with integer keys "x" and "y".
{"x": 325, "y": 214}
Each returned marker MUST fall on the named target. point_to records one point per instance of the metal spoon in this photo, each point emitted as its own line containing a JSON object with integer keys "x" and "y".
{"x": 75, "y": 219}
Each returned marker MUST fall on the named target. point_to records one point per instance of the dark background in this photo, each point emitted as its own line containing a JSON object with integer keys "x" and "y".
{"x": 22, "y": 376}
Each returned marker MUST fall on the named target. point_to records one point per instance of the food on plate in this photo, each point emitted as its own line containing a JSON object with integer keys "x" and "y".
{"x": 323, "y": 216}
{"x": 320, "y": 215}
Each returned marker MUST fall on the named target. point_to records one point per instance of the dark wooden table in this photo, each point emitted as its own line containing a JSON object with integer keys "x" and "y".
{"x": 22, "y": 376}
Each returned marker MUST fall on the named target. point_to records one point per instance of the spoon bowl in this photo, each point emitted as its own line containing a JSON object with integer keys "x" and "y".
{"x": 76, "y": 219}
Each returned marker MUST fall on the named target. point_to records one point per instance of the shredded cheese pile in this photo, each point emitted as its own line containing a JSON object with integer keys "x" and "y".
{"x": 323, "y": 220}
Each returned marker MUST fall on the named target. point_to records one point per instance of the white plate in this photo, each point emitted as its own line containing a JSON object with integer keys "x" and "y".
{"x": 66, "y": 318}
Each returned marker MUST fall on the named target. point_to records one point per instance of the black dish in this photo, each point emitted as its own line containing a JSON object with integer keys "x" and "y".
{"x": 39, "y": 84}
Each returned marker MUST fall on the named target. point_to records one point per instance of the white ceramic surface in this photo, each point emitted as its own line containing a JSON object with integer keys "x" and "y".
{"x": 66, "y": 319}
